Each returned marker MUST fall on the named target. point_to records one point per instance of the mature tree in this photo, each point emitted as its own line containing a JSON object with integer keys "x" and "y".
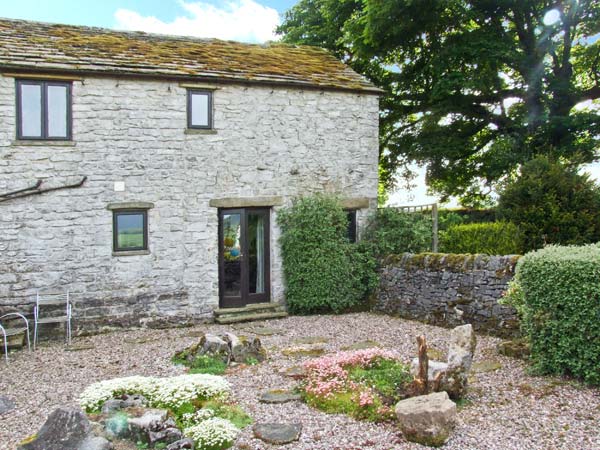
{"x": 473, "y": 88}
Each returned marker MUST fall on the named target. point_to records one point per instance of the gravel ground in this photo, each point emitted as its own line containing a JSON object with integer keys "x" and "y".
{"x": 505, "y": 408}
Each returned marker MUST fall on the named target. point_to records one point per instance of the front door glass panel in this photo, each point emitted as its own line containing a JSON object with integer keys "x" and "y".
{"x": 256, "y": 253}
{"x": 232, "y": 255}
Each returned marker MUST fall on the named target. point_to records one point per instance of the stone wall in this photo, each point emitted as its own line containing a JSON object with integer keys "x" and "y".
{"x": 268, "y": 141}
{"x": 449, "y": 290}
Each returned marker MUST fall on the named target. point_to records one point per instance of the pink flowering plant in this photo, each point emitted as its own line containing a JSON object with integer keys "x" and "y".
{"x": 363, "y": 383}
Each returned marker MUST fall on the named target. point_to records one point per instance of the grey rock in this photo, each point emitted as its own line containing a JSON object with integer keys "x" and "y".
{"x": 65, "y": 429}
{"x": 277, "y": 433}
{"x": 214, "y": 345}
{"x": 6, "y": 404}
{"x": 427, "y": 419}
{"x": 279, "y": 396}
{"x": 296, "y": 372}
{"x": 127, "y": 401}
{"x": 182, "y": 444}
{"x": 462, "y": 346}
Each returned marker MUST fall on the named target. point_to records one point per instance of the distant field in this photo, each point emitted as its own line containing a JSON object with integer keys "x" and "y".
{"x": 131, "y": 239}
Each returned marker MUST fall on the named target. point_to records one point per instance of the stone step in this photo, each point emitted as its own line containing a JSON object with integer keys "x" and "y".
{"x": 253, "y": 308}
{"x": 250, "y": 316}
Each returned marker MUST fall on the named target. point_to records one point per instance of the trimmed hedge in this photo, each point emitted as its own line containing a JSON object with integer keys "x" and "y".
{"x": 497, "y": 238}
{"x": 557, "y": 292}
{"x": 323, "y": 270}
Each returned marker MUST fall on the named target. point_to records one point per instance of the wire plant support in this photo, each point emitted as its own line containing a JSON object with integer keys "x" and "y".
{"x": 36, "y": 190}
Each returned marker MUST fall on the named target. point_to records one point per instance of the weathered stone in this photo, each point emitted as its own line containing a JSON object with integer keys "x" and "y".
{"x": 264, "y": 331}
{"x": 65, "y": 429}
{"x": 279, "y": 396}
{"x": 277, "y": 433}
{"x": 127, "y": 401}
{"x": 517, "y": 348}
{"x": 311, "y": 340}
{"x": 151, "y": 420}
{"x": 6, "y": 404}
{"x": 301, "y": 351}
{"x": 215, "y": 346}
{"x": 427, "y": 419}
{"x": 434, "y": 368}
{"x": 462, "y": 347}
{"x": 243, "y": 349}
{"x": 182, "y": 444}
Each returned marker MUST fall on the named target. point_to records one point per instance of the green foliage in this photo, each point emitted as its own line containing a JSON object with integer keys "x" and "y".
{"x": 204, "y": 364}
{"x": 552, "y": 204}
{"x": 323, "y": 270}
{"x": 387, "y": 377}
{"x": 472, "y": 89}
{"x": 496, "y": 238}
{"x": 233, "y": 413}
{"x": 392, "y": 231}
{"x": 557, "y": 293}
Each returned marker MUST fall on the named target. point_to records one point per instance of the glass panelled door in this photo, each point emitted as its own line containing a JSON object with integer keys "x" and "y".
{"x": 243, "y": 256}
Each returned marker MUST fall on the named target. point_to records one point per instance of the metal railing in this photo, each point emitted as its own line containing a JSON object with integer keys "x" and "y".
{"x": 434, "y": 219}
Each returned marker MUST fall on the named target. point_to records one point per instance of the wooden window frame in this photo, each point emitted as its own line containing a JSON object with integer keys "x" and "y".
{"x": 129, "y": 212}
{"x": 191, "y": 92}
{"x": 44, "y": 109}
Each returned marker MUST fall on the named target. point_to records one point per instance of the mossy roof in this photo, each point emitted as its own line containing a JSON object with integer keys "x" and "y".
{"x": 66, "y": 48}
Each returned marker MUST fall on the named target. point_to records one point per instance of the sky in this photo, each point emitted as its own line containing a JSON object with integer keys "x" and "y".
{"x": 240, "y": 20}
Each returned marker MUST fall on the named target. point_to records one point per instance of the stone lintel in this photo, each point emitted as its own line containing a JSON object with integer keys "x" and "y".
{"x": 355, "y": 203}
{"x": 245, "y": 202}
{"x": 130, "y": 205}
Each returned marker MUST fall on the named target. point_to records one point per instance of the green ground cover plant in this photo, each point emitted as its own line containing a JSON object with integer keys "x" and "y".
{"x": 556, "y": 291}
{"x": 203, "y": 364}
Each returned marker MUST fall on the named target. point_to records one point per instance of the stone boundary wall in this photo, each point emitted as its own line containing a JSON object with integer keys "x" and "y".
{"x": 449, "y": 290}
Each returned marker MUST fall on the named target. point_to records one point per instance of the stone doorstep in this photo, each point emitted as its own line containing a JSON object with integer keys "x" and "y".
{"x": 250, "y": 317}
{"x": 249, "y": 308}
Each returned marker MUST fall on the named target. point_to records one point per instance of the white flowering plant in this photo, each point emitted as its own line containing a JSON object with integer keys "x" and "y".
{"x": 213, "y": 434}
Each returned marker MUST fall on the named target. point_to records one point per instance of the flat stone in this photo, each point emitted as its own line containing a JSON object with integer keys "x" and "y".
{"x": 427, "y": 419}
{"x": 78, "y": 348}
{"x": 181, "y": 444}
{"x": 278, "y": 433}
{"x": 279, "y": 396}
{"x": 362, "y": 345}
{"x": 264, "y": 331}
{"x": 301, "y": 351}
{"x": 485, "y": 366}
{"x": 295, "y": 372}
{"x": 311, "y": 340}
{"x": 6, "y": 404}
{"x": 516, "y": 348}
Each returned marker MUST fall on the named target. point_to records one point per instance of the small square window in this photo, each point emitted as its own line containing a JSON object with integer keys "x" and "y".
{"x": 351, "y": 233}
{"x": 43, "y": 110}
{"x": 199, "y": 109}
{"x": 130, "y": 230}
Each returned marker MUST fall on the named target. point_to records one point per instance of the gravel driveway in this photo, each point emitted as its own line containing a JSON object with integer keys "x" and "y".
{"x": 505, "y": 408}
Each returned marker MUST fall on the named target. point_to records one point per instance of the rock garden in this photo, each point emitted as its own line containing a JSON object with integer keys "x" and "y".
{"x": 318, "y": 382}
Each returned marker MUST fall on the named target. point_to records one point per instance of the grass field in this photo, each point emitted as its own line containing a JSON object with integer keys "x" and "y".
{"x": 131, "y": 239}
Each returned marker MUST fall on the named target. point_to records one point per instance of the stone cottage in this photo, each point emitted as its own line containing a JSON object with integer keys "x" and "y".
{"x": 171, "y": 157}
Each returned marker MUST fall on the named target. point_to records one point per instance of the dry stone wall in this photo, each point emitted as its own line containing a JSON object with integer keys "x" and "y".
{"x": 449, "y": 290}
{"x": 268, "y": 141}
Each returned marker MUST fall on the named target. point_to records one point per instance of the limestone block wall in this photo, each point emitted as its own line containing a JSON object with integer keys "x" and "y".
{"x": 449, "y": 290}
{"x": 267, "y": 141}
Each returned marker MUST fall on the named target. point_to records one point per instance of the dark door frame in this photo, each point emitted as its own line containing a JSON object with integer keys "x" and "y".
{"x": 245, "y": 297}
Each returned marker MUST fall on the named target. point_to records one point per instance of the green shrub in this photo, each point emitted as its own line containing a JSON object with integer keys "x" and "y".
{"x": 496, "y": 238}
{"x": 557, "y": 293}
{"x": 552, "y": 204}
{"x": 392, "y": 231}
{"x": 323, "y": 271}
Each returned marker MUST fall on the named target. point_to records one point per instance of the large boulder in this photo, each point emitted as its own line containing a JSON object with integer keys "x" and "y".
{"x": 66, "y": 429}
{"x": 244, "y": 349}
{"x": 462, "y": 347}
{"x": 427, "y": 419}
{"x": 228, "y": 347}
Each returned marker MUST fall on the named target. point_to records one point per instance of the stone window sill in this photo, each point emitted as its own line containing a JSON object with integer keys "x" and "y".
{"x": 131, "y": 253}
{"x": 42, "y": 142}
{"x": 199, "y": 131}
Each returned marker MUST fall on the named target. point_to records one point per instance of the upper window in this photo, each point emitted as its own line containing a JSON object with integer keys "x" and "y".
{"x": 130, "y": 230}
{"x": 43, "y": 110}
{"x": 199, "y": 109}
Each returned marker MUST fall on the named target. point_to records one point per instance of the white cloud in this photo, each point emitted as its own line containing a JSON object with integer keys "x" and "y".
{"x": 239, "y": 20}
